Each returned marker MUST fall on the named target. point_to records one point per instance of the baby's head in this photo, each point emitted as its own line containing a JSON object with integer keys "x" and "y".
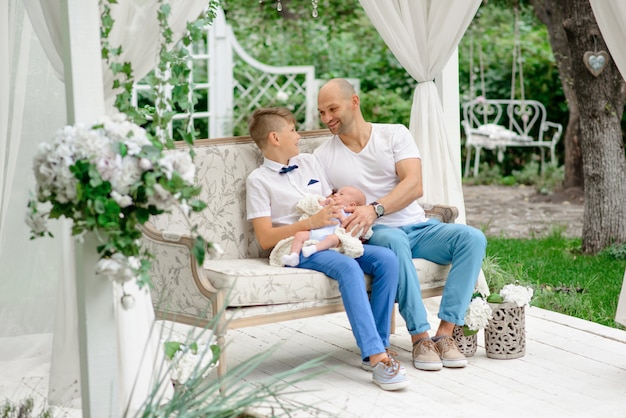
{"x": 349, "y": 196}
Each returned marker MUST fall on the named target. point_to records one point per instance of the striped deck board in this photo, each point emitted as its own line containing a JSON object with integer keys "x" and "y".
{"x": 571, "y": 368}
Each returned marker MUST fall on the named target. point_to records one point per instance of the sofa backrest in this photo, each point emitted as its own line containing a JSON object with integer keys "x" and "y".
{"x": 222, "y": 168}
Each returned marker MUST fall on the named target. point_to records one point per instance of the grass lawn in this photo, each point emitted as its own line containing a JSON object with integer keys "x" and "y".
{"x": 564, "y": 280}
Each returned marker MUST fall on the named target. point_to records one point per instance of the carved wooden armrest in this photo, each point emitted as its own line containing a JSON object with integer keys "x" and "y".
{"x": 444, "y": 213}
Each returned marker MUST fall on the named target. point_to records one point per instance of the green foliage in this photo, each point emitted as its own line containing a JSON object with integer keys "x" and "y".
{"x": 25, "y": 408}
{"x": 487, "y": 174}
{"x": 564, "y": 279}
{"x": 341, "y": 42}
{"x": 495, "y": 275}
{"x": 529, "y": 175}
{"x": 238, "y": 393}
{"x": 385, "y": 106}
{"x": 617, "y": 252}
{"x": 156, "y": 109}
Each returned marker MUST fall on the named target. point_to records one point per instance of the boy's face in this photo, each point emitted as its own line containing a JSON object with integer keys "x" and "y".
{"x": 288, "y": 139}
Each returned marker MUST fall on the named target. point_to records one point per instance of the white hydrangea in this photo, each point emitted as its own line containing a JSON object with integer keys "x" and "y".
{"x": 118, "y": 267}
{"x": 114, "y": 149}
{"x": 478, "y": 314}
{"x": 180, "y": 162}
{"x": 186, "y": 363}
{"x": 520, "y": 295}
{"x": 126, "y": 176}
{"x": 123, "y": 200}
{"x": 37, "y": 222}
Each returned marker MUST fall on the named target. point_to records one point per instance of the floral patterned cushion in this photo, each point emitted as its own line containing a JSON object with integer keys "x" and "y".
{"x": 256, "y": 282}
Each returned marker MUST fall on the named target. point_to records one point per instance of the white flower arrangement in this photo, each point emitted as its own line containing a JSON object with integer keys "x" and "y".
{"x": 477, "y": 316}
{"x": 109, "y": 178}
{"x": 520, "y": 295}
{"x": 190, "y": 361}
{"x": 479, "y": 312}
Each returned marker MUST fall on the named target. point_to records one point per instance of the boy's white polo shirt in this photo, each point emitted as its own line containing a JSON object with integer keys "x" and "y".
{"x": 269, "y": 193}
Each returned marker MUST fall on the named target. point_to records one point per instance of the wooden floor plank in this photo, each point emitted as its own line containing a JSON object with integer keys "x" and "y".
{"x": 571, "y": 368}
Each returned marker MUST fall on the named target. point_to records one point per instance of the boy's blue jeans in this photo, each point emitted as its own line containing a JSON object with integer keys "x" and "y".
{"x": 457, "y": 244}
{"x": 370, "y": 318}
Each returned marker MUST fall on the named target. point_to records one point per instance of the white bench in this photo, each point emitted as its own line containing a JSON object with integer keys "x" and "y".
{"x": 496, "y": 124}
{"x": 240, "y": 288}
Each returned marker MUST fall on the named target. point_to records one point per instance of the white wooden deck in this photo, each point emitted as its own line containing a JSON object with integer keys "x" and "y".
{"x": 572, "y": 368}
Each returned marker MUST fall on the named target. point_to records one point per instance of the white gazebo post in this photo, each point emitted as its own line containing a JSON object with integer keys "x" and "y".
{"x": 97, "y": 337}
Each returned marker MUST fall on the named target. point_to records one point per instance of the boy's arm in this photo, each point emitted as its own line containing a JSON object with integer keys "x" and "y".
{"x": 269, "y": 235}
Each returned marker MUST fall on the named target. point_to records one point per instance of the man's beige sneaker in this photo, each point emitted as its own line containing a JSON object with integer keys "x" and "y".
{"x": 426, "y": 356}
{"x": 449, "y": 352}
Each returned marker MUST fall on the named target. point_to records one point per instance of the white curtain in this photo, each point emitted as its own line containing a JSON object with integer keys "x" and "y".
{"x": 423, "y": 34}
{"x": 32, "y": 107}
{"x": 611, "y": 17}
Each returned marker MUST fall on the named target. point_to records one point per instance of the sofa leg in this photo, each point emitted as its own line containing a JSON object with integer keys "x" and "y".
{"x": 221, "y": 366}
{"x": 392, "y": 328}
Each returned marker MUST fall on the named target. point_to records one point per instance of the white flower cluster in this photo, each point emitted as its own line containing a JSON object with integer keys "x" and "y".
{"x": 188, "y": 362}
{"x": 478, "y": 314}
{"x": 118, "y": 267}
{"x": 108, "y": 176}
{"x": 520, "y": 295}
{"x": 113, "y": 146}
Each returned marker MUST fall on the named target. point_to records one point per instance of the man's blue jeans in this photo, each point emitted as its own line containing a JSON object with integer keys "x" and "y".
{"x": 370, "y": 318}
{"x": 460, "y": 245}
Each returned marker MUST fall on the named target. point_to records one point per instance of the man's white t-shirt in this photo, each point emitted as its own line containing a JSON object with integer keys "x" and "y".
{"x": 373, "y": 169}
{"x": 269, "y": 193}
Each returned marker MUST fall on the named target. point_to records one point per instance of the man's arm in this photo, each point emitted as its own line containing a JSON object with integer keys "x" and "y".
{"x": 409, "y": 189}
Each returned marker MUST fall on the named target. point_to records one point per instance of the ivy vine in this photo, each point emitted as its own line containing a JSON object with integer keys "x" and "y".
{"x": 170, "y": 83}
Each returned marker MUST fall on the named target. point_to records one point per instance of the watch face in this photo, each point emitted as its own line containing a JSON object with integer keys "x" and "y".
{"x": 380, "y": 210}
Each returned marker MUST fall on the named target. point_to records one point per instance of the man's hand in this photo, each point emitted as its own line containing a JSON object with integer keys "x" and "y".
{"x": 361, "y": 219}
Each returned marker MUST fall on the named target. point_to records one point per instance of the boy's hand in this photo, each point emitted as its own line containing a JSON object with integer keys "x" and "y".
{"x": 324, "y": 216}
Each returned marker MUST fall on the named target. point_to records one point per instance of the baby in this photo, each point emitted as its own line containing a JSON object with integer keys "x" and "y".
{"x": 326, "y": 237}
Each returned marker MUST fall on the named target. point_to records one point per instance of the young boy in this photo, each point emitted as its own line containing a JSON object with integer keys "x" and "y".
{"x": 273, "y": 190}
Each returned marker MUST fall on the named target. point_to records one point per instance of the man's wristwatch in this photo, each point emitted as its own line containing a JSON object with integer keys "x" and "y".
{"x": 378, "y": 208}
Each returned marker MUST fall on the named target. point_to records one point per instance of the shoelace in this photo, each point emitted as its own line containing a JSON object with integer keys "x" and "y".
{"x": 392, "y": 366}
{"x": 447, "y": 342}
{"x": 425, "y": 346}
{"x": 391, "y": 353}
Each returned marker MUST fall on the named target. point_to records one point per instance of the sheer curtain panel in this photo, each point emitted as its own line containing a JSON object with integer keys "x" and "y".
{"x": 32, "y": 108}
{"x": 423, "y": 35}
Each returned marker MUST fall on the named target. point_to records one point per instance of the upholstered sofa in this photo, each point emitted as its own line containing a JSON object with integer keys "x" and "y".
{"x": 239, "y": 288}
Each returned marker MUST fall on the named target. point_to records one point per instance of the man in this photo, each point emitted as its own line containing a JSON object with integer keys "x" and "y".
{"x": 383, "y": 161}
{"x": 273, "y": 190}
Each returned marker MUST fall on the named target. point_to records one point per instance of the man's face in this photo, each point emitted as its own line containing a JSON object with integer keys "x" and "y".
{"x": 334, "y": 110}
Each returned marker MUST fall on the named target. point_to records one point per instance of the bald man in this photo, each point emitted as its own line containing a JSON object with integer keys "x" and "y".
{"x": 384, "y": 162}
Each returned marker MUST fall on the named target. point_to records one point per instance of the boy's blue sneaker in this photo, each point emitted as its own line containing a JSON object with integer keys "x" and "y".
{"x": 386, "y": 374}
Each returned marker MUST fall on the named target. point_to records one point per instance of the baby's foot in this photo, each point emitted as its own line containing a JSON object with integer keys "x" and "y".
{"x": 309, "y": 250}
{"x": 290, "y": 260}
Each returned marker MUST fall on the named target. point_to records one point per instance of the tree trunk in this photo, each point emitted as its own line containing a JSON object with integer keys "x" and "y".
{"x": 600, "y": 102}
{"x": 549, "y": 12}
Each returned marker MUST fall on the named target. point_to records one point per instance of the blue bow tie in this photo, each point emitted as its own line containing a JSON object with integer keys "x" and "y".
{"x": 287, "y": 169}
